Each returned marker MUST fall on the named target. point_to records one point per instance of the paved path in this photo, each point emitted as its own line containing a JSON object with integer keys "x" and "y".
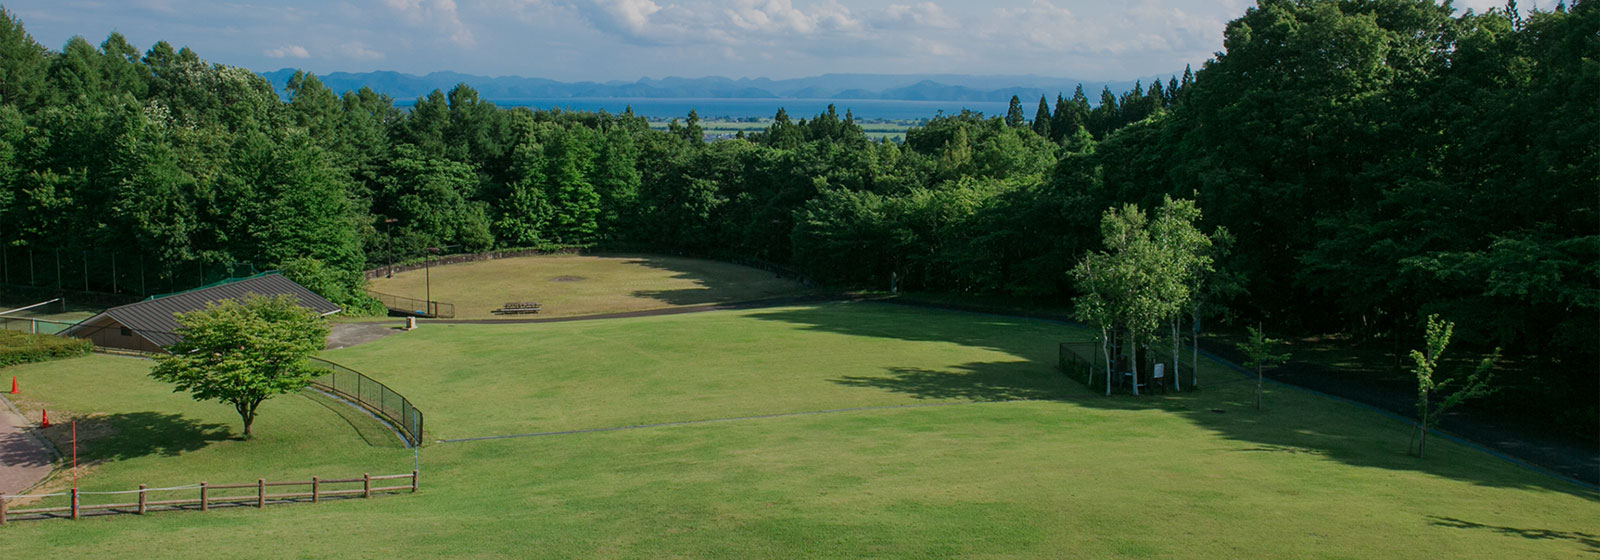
{"x": 24, "y": 460}
{"x": 345, "y": 335}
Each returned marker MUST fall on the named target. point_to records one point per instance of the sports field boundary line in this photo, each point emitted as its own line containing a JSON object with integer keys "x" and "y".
{"x": 735, "y": 419}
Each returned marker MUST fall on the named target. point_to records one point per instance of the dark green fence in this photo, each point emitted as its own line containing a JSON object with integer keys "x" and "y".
{"x": 110, "y": 272}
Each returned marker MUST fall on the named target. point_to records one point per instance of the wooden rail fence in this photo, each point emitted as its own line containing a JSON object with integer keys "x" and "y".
{"x": 207, "y": 497}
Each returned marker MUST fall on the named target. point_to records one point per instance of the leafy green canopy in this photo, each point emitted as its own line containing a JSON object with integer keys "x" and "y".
{"x": 244, "y": 352}
{"x": 1376, "y": 162}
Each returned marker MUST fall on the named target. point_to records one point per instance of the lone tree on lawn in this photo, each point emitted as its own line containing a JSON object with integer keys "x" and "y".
{"x": 1476, "y": 384}
{"x": 1258, "y": 352}
{"x": 243, "y": 353}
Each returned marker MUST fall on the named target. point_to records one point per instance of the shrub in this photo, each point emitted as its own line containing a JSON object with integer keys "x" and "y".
{"x": 25, "y": 348}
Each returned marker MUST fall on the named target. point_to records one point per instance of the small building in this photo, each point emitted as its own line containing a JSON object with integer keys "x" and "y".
{"x": 151, "y": 325}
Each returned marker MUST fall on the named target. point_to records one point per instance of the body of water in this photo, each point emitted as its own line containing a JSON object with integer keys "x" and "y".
{"x": 863, "y": 109}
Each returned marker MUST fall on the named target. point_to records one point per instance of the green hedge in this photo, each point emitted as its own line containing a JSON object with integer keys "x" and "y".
{"x": 22, "y": 348}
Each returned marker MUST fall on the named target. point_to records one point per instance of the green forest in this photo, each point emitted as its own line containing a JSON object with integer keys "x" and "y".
{"x": 1375, "y": 161}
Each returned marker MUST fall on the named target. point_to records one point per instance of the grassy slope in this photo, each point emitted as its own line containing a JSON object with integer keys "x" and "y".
{"x": 1070, "y": 474}
{"x": 136, "y": 430}
{"x": 608, "y": 284}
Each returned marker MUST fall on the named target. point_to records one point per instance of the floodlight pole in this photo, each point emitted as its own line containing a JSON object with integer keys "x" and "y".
{"x": 427, "y": 281}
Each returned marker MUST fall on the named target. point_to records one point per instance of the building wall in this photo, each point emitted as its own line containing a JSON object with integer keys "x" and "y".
{"x": 107, "y": 332}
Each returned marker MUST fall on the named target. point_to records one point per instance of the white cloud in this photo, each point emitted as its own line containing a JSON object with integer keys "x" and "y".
{"x": 780, "y": 16}
{"x": 287, "y": 51}
{"x": 356, "y": 50}
{"x": 926, "y": 15}
{"x": 440, "y": 15}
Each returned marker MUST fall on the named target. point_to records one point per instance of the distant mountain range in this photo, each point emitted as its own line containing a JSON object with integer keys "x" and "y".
{"x": 907, "y": 87}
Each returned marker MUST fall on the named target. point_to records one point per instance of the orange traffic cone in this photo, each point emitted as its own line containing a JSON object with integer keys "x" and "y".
{"x": 14, "y": 385}
{"x": 44, "y": 419}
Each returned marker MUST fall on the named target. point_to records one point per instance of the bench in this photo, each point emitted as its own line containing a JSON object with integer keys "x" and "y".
{"x": 517, "y": 308}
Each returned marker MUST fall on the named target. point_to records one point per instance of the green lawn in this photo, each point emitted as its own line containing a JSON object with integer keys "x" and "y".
{"x": 584, "y": 285}
{"x": 1066, "y": 473}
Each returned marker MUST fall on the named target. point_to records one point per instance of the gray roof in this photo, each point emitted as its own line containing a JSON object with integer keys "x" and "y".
{"x": 153, "y": 319}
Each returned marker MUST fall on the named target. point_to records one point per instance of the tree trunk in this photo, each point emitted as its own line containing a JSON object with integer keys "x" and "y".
{"x": 1194, "y": 338}
{"x": 1134, "y": 383}
{"x": 247, "y": 413}
{"x": 1176, "y": 347}
{"x": 1105, "y": 349}
{"x": 1422, "y": 447}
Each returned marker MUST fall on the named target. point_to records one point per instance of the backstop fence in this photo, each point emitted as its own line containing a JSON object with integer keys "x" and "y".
{"x": 373, "y": 396}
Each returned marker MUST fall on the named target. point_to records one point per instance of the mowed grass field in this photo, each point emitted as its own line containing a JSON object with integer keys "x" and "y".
{"x": 976, "y": 447}
{"x": 569, "y": 285}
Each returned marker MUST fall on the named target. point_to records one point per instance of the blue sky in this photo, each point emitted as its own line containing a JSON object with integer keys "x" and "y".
{"x": 627, "y": 39}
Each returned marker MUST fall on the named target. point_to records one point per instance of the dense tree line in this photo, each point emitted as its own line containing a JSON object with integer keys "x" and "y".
{"x": 1375, "y": 160}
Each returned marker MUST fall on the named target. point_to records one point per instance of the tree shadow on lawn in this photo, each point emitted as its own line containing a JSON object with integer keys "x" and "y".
{"x": 1292, "y": 420}
{"x": 711, "y": 289}
{"x": 983, "y": 382}
{"x": 126, "y": 435}
{"x": 1588, "y": 540}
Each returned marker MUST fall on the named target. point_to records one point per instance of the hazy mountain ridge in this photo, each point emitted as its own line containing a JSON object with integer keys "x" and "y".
{"x": 908, "y": 87}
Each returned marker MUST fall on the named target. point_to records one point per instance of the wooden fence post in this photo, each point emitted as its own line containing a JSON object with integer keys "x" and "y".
{"x": 261, "y": 493}
{"x": 366, "y": 485}
{"x": 141, "y": 499}
{"x": 205, "y": 505}
{"x": 2, "y": 509}
{"x": 413, "y": 481}
{"x": 316, "y": 495}
{"x": 74, "y": 504}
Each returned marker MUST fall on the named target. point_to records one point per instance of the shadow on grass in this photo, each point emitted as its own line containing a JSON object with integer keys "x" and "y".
{"x": 370, "y": 429}
{"x": 1292, "y": 423}
{"x": 712, "y": 288}
{"x": 126, "y": 435}
{"x": 1004, "y": 381}
{"x": 1589, "y": 541}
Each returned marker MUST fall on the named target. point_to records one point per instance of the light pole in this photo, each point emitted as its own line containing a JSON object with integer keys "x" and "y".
{"x": 427, "y": 281}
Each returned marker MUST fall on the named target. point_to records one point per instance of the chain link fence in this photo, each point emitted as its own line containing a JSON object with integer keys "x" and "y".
{"x": 414, "y": 306}
{"x": 372, "y": 395}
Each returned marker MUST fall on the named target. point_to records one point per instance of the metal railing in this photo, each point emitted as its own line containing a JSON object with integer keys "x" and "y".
{"x": 414, "y": 306}
{"x": 1080, "y": 359}
{"x": 372, "y": 395}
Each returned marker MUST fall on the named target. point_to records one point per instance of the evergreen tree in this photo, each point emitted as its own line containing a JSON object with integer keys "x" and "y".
{"x": 1042, "y": 118}
{"x": 1014, "y": 118}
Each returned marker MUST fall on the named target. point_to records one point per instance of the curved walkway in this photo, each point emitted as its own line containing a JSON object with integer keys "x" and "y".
{"x": 24, "y": 459}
